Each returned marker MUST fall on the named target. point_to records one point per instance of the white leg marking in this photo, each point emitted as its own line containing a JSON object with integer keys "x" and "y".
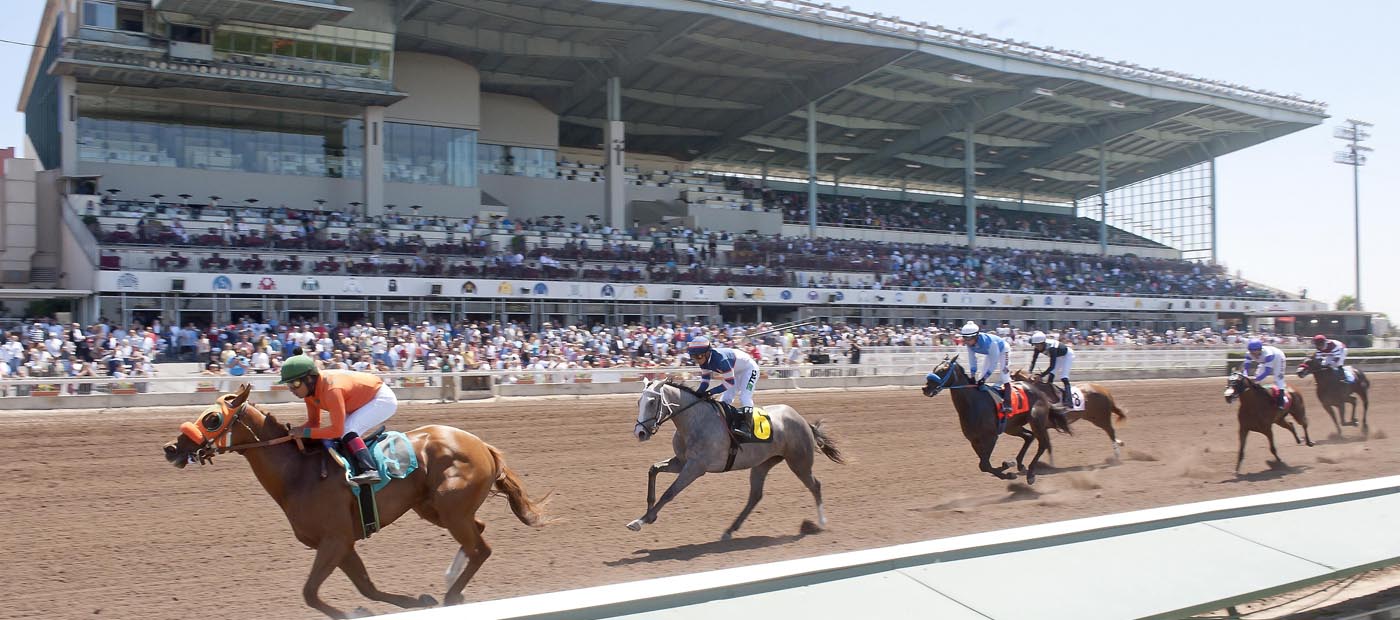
{"x": 459, "y": 564}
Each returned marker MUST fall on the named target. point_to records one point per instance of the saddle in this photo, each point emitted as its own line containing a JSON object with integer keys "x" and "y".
{"x": 755, "y": 428}
{"x": 393, "y": 456}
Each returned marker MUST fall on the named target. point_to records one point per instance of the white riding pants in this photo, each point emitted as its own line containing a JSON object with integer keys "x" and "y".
{"x": 374, "y": 413}
{"x": 1062, "y": 365}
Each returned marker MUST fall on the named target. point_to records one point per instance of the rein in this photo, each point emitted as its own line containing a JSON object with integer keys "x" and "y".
{"x": 664, "y": 416}
{"x": 210, "y": 448}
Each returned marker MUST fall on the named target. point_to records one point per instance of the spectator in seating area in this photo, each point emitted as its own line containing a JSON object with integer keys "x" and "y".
{"x": 252, "y": 264}
{"x": 215, "y": 262}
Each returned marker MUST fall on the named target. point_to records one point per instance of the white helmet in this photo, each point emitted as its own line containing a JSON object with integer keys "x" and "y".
{"x": 1037, "y": 337}
{"x": 970, "y": 329}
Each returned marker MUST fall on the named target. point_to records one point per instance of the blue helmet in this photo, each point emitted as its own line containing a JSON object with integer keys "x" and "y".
{"x": 1256, "y": 344}
{"x": 698, "y": 344}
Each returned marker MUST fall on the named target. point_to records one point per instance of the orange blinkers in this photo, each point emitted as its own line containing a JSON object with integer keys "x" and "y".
{"x": 211, "y": 425}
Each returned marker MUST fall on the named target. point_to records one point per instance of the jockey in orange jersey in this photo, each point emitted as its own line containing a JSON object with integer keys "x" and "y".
{"x": 356, "y": 401}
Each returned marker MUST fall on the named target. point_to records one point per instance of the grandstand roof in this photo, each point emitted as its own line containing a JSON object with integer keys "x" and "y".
{"x": 714, "y": 81}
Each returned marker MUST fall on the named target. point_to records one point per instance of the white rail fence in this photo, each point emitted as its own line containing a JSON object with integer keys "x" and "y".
{"x": 1168, "y": 562}
{"x": 889, "y": 367}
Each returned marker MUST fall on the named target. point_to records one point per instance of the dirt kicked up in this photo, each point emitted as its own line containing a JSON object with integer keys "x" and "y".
{"x": 99, "y": 525}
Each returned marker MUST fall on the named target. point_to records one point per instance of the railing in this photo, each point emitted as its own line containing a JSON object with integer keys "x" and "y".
{"x": 1214, "y": 554}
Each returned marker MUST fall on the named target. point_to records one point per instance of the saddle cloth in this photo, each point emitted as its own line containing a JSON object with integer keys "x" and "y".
{"x": 393, "y": 456}
{"x": 760, "y": 427}
{"x": 1020, "y": 402}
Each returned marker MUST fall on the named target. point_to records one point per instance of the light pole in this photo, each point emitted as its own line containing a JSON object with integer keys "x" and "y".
{"x": 1354, "y": 133}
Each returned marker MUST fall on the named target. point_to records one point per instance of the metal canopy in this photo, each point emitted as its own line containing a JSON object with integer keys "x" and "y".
{"x": 713, "y": 81}
{"x": 287, "y": 13}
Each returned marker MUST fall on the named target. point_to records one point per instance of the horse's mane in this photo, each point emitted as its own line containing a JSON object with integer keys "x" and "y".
{"x": 676, "y": 383}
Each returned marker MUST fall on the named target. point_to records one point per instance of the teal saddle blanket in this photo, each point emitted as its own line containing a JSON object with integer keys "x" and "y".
{"x": 393, "y": 455}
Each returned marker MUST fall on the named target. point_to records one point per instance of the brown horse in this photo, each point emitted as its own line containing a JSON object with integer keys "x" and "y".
{"x": 1335, "y": 393}
{"x": 1259, "y": 413}
{"x": 977, "y": 415}
{"x": 457, "y": 471}
{"x": 1099, "y": 406}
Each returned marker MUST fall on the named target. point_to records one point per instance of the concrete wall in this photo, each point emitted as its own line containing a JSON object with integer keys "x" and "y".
{"x": 530, "y": 197}
{"x": 518, "y": 121}
{"x": 19, "y": 219}
{"x": 738, "y": 221}
{"x": 272, "y": 189}
{"x": 435, "y": 199}
{"x": 441, "y": 91}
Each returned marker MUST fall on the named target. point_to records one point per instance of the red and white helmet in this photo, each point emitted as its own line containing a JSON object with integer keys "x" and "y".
{"x": 1320, "y": 340}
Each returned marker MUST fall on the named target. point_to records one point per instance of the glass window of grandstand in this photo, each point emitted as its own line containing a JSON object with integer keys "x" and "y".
{"x": 149, "y": 132}
{"x": 106, "y": 14}
{"x": 429, "y": 155}
{"x": 516, "y": 161}
{"x": 324, "y": 49}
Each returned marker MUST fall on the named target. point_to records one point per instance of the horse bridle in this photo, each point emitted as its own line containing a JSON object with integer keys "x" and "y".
{"x": 206, "y": 451}
{"x": 943, "y": 381}
{"x": 664, "y": 409}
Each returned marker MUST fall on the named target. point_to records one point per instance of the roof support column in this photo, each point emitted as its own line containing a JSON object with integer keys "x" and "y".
{"x": 970, "y": 183}
{"x": 1103, "y": 200}
{"x": 68, "y": 125}
{"x": 812, "y": 169}
{"x": 372, "y": 178}
{"x": 1214, "y": 258}
{"x": 614, "y": 190}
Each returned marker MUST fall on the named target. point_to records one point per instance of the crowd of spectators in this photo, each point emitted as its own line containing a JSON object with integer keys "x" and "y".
{"x": 595, "y": 252}
{"x": 47, "y": 348}
{"x": 941, "y": 217}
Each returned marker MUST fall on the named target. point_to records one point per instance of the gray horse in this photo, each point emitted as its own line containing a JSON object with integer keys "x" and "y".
{"x": 702, "y": 440}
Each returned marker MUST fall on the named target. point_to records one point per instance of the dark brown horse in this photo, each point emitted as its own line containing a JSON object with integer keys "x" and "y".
{"x": 1259, "y": 413}
{"x": 977, "y": 414}
{"x": 456, "y": 473}
{"x": 1335, "y": 393}
{"x": 1099, "y": 407}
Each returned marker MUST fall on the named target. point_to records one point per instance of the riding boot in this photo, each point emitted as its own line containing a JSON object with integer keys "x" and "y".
{"x": 1066, "y": 395}
{"x": 1006, "y": 398}
{"x": 1279, "y": 399}
{"x": 740, "y": 423}
{"x": 369, "y": 474}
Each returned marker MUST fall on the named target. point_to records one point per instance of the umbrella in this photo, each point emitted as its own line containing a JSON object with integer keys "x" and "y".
{"x": 157, "y": 197}
{"x": 186, "y": 198}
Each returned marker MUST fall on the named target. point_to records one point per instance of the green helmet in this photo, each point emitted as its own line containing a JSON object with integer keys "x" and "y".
{"x": 298, "y": 366}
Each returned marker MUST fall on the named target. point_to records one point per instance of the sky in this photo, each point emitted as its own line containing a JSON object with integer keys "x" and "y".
{"x": 1284, "y": 208}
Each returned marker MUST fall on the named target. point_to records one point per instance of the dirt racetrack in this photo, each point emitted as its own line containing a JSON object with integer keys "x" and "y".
{"x": 97, "y": 524}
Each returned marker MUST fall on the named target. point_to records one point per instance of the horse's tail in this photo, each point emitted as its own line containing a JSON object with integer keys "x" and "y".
{"x": 826, "y": 444}
{"x": 1059, "y": 419}
{"x": 1118, "y": 412}
{"x": 530, "y": 512}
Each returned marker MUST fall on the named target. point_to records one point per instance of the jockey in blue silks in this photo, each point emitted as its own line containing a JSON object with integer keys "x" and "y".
{"x": 998, "y": 354}
{"x": 738, "y": 375}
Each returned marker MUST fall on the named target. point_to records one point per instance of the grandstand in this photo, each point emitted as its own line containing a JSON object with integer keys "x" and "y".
{"x": 414, "y": 160}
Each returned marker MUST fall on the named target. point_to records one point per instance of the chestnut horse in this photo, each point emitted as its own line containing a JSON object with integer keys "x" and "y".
{"x": 1336, "y": 393}
{"x": 977, "y": 414}
{"x": 1259, "y": 413}
{"x": 1099, "y": 407}
{"x": 457, "y": 471}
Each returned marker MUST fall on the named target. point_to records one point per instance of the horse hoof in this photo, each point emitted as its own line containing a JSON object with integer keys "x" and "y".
{"x": 728, "y": 534}
{"x": 635, "y": 525}
{"x": 1007, "y": 464}
{"x": 427, "y": 600}
{"x": 1030, "y": 477}
{"x": 1310, "y": 443}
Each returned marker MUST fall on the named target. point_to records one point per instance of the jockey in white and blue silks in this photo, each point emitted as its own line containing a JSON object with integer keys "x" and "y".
{"x": 1270, "y": 363}
{"x": 1332, "y": 354}
{"x": 998, "y": 354}
{"x": 737, "y": 372}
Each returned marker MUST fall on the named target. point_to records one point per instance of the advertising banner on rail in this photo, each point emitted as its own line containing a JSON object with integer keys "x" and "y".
{"x": 303, "y": 285}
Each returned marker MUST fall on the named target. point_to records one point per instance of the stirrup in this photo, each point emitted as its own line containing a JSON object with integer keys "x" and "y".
{"x": 369, "y": 477}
